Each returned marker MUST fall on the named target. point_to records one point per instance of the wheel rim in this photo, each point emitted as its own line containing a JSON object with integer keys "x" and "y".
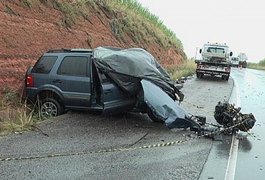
{"x": 48, "y": 109}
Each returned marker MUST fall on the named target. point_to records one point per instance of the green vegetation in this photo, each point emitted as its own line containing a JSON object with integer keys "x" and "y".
{"x": 15, "y": 116}
{"x": 260, "y": 65}
{"x": 71, "y": 10}
{"x": 186, "y": 69}
{"x": 15, "y": 119}
{"x": 139, "y": 19}
{"x": 8, "y": 97}
{"x": 27, "y": 3}
{"x": 9, "y": 10}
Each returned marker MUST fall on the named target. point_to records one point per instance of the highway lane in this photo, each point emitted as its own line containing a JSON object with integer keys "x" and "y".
{"x": 242, "y": 157}
{"x": 77, "y": 132}
{"x": 251, "y": 151}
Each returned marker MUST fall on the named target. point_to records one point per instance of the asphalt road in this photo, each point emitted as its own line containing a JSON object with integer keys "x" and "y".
{"x": 246, "y": 160}
{"x": 78, "y": 132}
{"x": 251, "y": 157}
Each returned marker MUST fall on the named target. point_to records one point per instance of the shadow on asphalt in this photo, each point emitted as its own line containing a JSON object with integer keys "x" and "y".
{"x": 211, "y": 78}
{"x": 87, "y": 120}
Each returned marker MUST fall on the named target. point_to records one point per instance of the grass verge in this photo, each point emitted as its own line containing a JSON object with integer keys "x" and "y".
{"x": 15, "y": 119}
{"x": 142, "y": 15}
{"x": 15, "y": 116}
{"x": 260, "y": 65}
{"x": 186, "y": 69}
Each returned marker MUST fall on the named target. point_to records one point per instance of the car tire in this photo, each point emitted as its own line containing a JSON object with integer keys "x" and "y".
{"x": 152, "y": 116}
{"x": 50, "y": 107}
{"x": 199, "y": 75}
{"x": 225, "y": 78}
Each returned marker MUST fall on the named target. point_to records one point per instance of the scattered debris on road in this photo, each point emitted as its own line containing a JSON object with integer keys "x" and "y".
{"x": 228, "y": 115}
{"x": 229, "y": 118}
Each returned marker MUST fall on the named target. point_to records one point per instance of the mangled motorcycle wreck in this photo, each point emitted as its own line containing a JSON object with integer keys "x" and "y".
{"x": 137, "y": 73}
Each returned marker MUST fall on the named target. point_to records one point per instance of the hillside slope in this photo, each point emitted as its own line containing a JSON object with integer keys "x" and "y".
{"x": 28, "y": 28}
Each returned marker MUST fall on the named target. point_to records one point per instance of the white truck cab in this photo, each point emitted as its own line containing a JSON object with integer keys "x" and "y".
{"x": 215, "y": 52}
{"x": 215, "y": 61}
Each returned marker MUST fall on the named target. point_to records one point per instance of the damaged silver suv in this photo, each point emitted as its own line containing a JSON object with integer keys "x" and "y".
{"x": 107, "y": 80}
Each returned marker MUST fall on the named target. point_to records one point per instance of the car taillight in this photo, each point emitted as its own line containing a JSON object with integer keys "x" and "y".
{"x": 29, "y": 81}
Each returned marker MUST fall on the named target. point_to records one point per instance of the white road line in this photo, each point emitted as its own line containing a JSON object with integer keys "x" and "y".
{"x": 238, "y": 101}
{"x": 231, "y": 164}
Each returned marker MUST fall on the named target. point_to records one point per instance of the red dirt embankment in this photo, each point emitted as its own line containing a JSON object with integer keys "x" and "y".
{"x": 27, "y": 32}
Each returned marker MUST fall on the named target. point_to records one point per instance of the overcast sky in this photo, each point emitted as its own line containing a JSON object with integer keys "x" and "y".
{"x": 238, "y": 23}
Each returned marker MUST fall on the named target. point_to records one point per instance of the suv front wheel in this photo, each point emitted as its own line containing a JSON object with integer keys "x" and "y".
{"x": 50, "y": 107}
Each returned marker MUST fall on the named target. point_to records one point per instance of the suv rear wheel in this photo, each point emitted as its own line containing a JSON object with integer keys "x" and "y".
{"x": 50, "y": 107}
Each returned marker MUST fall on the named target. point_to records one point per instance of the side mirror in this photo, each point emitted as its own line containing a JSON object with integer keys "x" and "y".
{"x": 200, "y": 51}
{"x": 231, "y": 54}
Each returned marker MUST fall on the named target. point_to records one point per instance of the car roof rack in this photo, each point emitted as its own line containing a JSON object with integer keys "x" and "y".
{"x": 69, "y": 50}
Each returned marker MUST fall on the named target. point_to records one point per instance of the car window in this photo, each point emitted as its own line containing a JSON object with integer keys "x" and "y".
{"x": 74, "y": 66}
{"x": 44, "y": 64}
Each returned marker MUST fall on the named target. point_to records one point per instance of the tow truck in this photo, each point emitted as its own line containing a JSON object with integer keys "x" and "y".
{"x": 215, "y": 61}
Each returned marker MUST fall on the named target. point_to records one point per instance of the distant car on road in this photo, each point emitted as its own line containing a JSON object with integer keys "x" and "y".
{"x": 242, "y": 60}
{"x": 234, "y": 61}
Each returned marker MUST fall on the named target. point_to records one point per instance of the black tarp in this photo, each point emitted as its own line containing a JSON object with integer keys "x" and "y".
{"x": 127, "y": 67}
{"x": 165, "y": 108}
{"x": 161, "y": 104}
{"x": 136, "y": 70}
